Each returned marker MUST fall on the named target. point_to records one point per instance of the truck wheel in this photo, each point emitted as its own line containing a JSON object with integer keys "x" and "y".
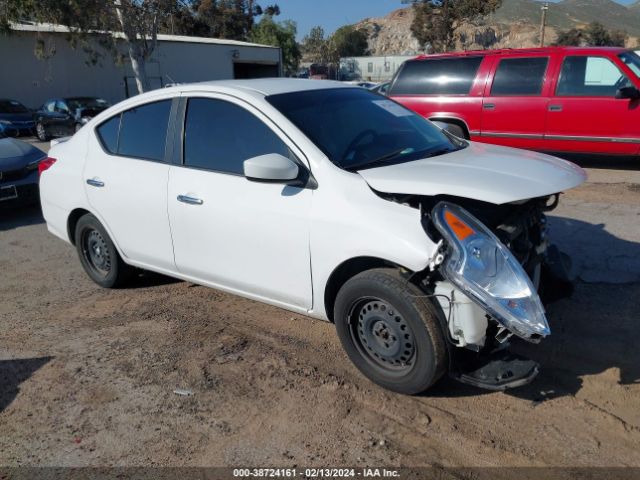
{"x": 456, "y": 130}
{"x": 390, "y": 331}
{"x": 98, "y": 255}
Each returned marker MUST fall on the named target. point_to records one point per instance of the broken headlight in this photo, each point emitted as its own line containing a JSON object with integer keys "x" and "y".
{"x": 484, "y": 269}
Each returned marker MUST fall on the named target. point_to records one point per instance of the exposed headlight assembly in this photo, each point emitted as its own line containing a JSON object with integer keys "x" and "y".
{"x": 482, "y": 267}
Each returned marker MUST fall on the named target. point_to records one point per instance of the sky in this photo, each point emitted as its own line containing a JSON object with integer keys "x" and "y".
{"x": 331, "y": 14}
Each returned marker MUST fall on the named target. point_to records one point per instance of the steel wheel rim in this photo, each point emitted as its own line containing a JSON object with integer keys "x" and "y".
{"x": 382, "y": 335}
{"x": 96, "y": 252}
{"x": 40, "y": 131}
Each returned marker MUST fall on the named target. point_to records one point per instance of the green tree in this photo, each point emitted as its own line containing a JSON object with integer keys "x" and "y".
{"x": 283, "y": 35}
{"x": 348, "y": 41}
{"x": 315, "y": 46}
{"x": 570, "y": 38}
{"x": 595, "y": 35}
{"x": 435, "y": 21}
{"x": 618, "y": 38}
{"x": 231, "y": 19}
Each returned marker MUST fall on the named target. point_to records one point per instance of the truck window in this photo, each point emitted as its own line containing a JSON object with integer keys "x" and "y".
{"x": 520, "y": 76}
{"x": 443, "y": 76}
{"x": 584, "y": 76}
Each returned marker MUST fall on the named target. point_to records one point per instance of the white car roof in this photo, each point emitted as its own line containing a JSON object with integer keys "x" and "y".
{"x": 266, "y": 86}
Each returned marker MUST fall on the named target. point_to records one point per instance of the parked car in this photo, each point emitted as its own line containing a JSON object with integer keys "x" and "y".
{"x": 557, "y": 99}
{"x": 60, "y": 117}
{"x": 19, "y": 162}
{"x": 362, "y": 84}
{"x": 424, "y": 249}
{"x": 15, "y": 118}
{"x": 381, "y": 88}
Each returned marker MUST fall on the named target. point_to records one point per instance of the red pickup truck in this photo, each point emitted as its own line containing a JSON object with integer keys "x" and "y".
{"x": 557, "y": 99}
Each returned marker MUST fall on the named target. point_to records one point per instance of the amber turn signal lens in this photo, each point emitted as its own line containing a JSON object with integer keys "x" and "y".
{"x": 460, "y": 229}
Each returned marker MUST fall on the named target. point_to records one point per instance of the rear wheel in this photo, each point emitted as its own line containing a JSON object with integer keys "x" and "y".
{"x": 390, "y": 331}
{"x": 457, "y": 130}
{"x": 98, "y": 254}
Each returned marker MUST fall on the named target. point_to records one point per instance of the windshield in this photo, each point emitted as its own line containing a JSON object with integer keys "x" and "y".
{"x": 75, "y": 103}
{"x": 631, "y": 60}
{"x": 11, "y": 106}
{"x": 359, "y": 129}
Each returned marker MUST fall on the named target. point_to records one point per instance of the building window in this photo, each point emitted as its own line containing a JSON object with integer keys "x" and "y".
{"x": 370, "y": 67}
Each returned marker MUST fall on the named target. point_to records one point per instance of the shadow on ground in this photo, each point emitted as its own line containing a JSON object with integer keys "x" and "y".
{"x": 13, "y": 373}
{"x": 146, "y": 279}
{"x": 11, "y": 218}
{"x": 594, "y": 331}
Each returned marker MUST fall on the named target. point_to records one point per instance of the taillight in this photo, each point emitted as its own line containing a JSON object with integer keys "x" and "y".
{"x": 45, "y": 164}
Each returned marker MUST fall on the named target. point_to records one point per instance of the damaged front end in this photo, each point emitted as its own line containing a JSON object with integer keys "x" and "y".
{"x": 490, "y": 264}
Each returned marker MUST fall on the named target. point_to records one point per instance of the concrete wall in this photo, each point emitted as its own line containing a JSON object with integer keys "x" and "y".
{"x": 32, "y": 81}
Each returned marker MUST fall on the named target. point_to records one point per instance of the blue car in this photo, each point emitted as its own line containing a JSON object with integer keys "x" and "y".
{"x": 15, "y": 118}
{"x": 19, "y": 172}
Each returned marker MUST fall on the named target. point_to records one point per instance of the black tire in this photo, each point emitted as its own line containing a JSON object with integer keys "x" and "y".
{"x": 41, "y": 132}
{"x": 98, "y": 255}
{"x": 374, "y": 311}
{"x": 457, "y": 130}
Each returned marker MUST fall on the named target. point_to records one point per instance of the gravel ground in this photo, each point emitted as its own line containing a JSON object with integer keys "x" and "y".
{"x": 87, "y": 376}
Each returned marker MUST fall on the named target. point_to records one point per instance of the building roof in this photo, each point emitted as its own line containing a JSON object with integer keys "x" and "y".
{"x": 53, "y": 28}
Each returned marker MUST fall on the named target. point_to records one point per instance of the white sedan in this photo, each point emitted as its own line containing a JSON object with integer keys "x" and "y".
{"x": 425, "y": 250}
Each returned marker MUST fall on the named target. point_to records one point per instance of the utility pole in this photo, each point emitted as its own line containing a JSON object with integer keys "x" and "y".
{"x": 543, "y": 23}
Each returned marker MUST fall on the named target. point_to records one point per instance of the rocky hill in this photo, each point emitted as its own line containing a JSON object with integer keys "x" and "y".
{"x": 514, "y": 25}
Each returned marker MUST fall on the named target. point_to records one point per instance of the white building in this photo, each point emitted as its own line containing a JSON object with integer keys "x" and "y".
{"x": 65, "y": 71}
{"x": 374, "y": 69}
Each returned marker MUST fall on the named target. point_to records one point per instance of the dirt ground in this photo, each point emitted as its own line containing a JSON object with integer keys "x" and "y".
{"x": 87, "y": 376}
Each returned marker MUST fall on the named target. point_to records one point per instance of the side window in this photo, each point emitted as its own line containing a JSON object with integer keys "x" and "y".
{"x": 519, "y": 76}
{"x": 61, "y": 107}
{"x": 50, "y": 106}
{"x": 108, "y": 134}
{"x": 590, "y": 76}
{"x": 143, "y": 131}
{"x": 220, "y": 136}
{"x": 447, "y": 76}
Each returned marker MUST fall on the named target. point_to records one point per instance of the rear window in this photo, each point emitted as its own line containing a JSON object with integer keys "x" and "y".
{"x": 445, "y": 76}
{"x": 108, "y": 134}
{"x": 140, "y": 132}
{"x": 520, "y": 76}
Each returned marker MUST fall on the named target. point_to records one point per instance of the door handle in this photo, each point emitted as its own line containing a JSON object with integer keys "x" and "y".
{"x": 190, "y": 200}
{"x": 555, "y": 108}
{"x": 489, "y": 106}
{"x": 94, "y": 182}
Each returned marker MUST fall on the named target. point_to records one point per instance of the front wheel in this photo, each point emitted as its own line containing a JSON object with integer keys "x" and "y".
{"x": 98, "y": 254}
{"x": 390, "y": 331}
{"x": 41, "y": 132}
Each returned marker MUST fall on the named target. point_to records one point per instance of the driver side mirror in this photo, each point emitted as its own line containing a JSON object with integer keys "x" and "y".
{"x": 631, "y": 93}
{"x": 272, "y": 167}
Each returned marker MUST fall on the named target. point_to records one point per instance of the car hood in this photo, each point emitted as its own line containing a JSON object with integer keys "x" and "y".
{"x": 480, "y": 171}
{"x": 15, "y": 154}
